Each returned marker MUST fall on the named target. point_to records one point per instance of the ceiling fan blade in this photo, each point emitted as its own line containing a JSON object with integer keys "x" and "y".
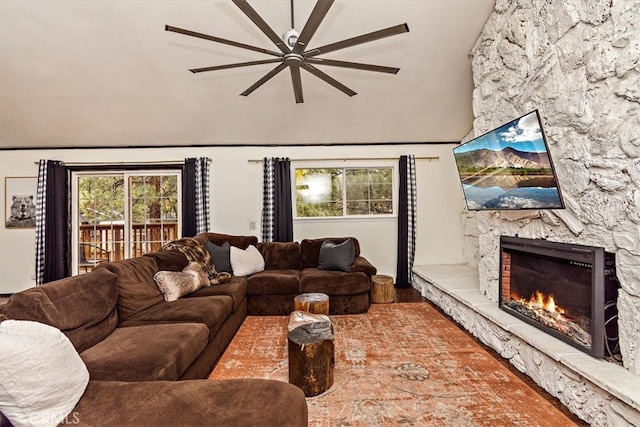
{"x": 317, "y": 15}
{"x": 323, "y": 76}
{"x": 219, "y": 40}
{"x": 354, "y": 41}
{"x": 356, "y": 65}
{"x": 297, "y": 83}
{"x": 264, "y": 79}
{"x": 260, "y": 23}
{"x": 236, "y": 65}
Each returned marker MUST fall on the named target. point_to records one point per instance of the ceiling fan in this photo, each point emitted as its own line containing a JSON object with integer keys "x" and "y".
{"x": 294, "y": 52}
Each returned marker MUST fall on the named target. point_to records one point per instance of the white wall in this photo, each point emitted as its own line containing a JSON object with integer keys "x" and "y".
{"x": 236, "y": 200}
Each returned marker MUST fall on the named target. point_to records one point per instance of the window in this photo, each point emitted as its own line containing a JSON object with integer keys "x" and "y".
{"x": 344, "y": 192}
{"x": 123, "y": 215}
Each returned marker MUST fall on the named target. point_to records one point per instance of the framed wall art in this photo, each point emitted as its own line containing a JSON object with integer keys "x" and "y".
{"x": 20, "y": 201}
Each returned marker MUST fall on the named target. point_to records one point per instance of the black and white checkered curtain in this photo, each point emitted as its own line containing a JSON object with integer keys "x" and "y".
{"x": 268, "y": 189}
{"x": 195, "y": 196}
{"x": 202, "y": 195}
{"x": 407, "y": 215}
{"x": 53, "y": 236}
{"x": 41, "y": 202}
{"x": 277, "y": 215}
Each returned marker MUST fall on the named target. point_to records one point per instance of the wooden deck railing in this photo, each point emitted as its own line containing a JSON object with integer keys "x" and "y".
{"x": 110, "y": 238}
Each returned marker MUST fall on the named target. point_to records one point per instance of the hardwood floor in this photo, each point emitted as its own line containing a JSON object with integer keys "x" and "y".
{"x": 412, "y": 295}
{"x": 408, "y": 295}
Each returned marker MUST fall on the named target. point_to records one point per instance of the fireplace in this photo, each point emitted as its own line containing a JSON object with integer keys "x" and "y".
{"x": 569, "y": 291}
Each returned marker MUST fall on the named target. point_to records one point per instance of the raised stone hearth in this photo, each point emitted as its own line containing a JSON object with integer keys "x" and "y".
{"x": 600, "y": 392}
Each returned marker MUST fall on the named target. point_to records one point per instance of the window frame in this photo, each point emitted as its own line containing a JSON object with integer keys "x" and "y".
{"x": 126, "y": 174}
{"x": 344, "y": 165}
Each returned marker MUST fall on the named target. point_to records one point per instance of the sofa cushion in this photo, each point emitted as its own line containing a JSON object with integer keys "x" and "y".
{"x": 280, "y": 255}
{"x": 137, "y": 290}
{"x": 176, "y": 284}
{"x": 169, "y": 260}
{"x": 146, "y": 353}
{"x": 236, "y": 289}
{"x": 212, "y": 311}
{"x": 245, "y": 262}
{"x": 349, "y": 304}
{"x": 232, "y": 403}
{"x": 220, "y": 256}
{"x": 42, "y": 377}
{"x": 270, "y": 305}
{"x": 310, "y": 250}
{"x": 336, "y": 256}
{"x": 274, "y": 282}
{"x": 241, "y": 242}
{"x": 333, "y": 282}
{"x": 83, "y": 307}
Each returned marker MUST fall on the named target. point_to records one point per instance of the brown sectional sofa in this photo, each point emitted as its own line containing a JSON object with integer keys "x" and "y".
{"x": 291, "y": 268}
{"x": 135, "y": 344}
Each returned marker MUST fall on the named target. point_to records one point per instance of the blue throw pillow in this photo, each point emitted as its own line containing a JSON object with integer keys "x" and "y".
{"x": 338, "y": 257}
{"x": 220, "y": 255}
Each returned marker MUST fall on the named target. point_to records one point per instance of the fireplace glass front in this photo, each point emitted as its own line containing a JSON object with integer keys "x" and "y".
{"x": 569, "y": 291}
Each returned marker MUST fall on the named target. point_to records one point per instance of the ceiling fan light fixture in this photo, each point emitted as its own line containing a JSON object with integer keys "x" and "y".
{"x": 290, "y": 38}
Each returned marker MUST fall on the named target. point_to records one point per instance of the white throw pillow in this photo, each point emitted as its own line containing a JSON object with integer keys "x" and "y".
{"x": 42, "y": 377}
{"x": 246, "y": 262}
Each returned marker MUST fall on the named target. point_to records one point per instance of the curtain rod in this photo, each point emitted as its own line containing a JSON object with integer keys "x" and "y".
{"x": 150, "y": 162}
{"x": 429, "y": 158}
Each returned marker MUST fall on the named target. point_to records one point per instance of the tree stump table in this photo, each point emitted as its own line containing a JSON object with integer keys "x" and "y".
{"x": 311, "y": 352}
{"x": 312, "y": 302}
{"x": 382, "y": 290}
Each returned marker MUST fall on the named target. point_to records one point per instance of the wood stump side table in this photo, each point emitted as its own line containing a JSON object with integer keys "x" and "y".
{"x": 382, "y": 290}
{"x": 312, "y": 302}
{"x": 311, "y": 352}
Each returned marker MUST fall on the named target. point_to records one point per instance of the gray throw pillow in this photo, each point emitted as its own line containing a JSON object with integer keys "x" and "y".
{"x": 220, "y": 255}
{"x": 338, "y": 257}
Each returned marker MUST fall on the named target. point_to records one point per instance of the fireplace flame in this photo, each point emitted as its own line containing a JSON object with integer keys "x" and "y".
{"x": 541, "y": 303}
{"x": 545, "y": 302}
{"x": 546, "y": 310}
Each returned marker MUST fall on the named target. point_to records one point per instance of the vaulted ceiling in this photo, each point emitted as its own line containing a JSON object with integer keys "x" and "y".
{"x": 105, "y": 73}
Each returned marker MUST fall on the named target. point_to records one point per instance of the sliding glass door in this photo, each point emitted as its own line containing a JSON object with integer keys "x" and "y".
{"x": 123, "y": 214}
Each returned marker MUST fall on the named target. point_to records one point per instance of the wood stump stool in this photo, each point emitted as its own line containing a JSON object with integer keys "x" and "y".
{"x": 312, "y": 302}
{"x": 311, "y": 352}
{"x": 382, "y": 290}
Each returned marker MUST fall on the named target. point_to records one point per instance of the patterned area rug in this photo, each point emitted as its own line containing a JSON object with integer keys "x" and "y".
{"x": 399, "y": 364}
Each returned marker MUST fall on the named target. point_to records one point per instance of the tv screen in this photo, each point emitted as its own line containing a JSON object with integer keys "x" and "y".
{"x": 509, "y": 168}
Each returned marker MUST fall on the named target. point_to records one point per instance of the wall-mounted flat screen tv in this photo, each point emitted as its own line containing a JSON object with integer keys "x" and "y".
{"x": 509, "y": 168}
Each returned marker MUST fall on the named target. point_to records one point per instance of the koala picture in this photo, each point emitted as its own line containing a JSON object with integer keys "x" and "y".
{"x": 22, "y": 212}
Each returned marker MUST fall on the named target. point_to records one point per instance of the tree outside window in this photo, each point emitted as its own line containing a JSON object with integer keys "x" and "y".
{"x": 123, "y": 215}
{"x": 340, "y": 192}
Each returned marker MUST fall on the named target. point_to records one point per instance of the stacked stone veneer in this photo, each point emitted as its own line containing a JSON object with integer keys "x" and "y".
{"x": 578, "y": 63}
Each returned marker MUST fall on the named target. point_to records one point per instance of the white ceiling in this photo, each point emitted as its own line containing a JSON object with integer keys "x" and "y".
{"x": 105, "y": 73}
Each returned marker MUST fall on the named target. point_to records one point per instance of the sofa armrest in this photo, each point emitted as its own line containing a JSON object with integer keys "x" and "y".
{"x": 362, "y": 265}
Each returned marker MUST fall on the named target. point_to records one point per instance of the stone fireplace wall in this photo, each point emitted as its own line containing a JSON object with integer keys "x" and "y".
{"x": 578, "y": 63}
